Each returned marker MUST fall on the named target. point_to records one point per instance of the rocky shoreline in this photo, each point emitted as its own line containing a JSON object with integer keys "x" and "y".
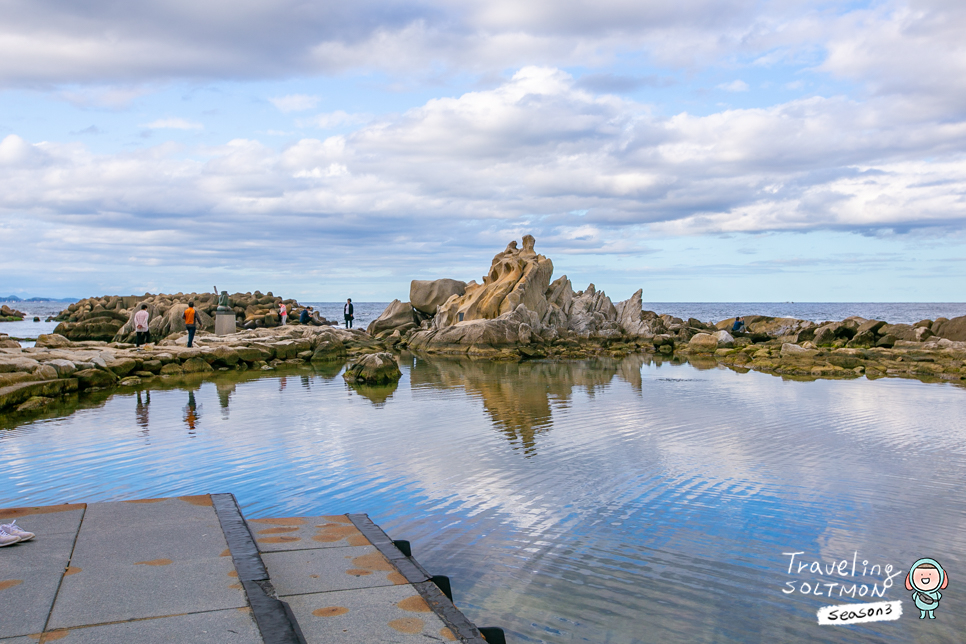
{"x": 516, "y": 313}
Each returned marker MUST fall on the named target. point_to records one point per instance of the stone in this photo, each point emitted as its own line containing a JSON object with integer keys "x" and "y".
{"x": 252, "y": 354}
{"x": 872, "y": 326}
{"x": 122, "y": 366}
{"x": 725, "y": 339}
{"x": 171, "y": 369}
{"x": 130, "y": 381}
{"x": 428, "y": 295}
{"x": 478, "y": 337}
{"x": 954, "y": 329}
{"x": 9, "y": 344}
{"x": 887, "y": 341}
{"x": 152, "y": 366}
{"x": 35, "y": 403}
{"x": 89, "y": 378}
{"x": 632, "y": 320}
{"x": 46, "y": 372}
{"x": 795, "y": 351}
{"x": 329, "y": 349}
{"x": 397, "y": 316}
{"x": 703, "y": 343}
{"x": 226, "y": 356}
{"x": 52, "y": 341}
{"x": 373, "y": 369}
{"x": 195, "y": 365}
{"x": 863, "y": 340}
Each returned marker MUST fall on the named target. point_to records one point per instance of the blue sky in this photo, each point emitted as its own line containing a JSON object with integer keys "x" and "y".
{"x": 726, "y": 150}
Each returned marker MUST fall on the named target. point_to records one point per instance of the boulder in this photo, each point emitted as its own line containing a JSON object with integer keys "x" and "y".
{"x": 194, "y": 365}
{"x": 725, "y": 339}
{"x": 172, "y": 369}
{"x": 35, "y": 403}
{"x": 122, "y": 366}
{"x": 632, "y": 320}
{"x": 428, "y": 295}
{"x": 872, "y": 326}
{"x": 398, "y": 315}
{"x": 52, "y": 341}
{"x": 863, "y": 340}
{"x": 64, "y": 368}
{"x": 89, "y": 378}
{"x": 478, "y": 336}
{"x": 954, "y": 329}
{"x": 329, "y": 349}
{"x": 226, "y": 356}
{"x": 373, "y": 369}
{"x": 703, "y": 343}
{"x": 796, "y": 352}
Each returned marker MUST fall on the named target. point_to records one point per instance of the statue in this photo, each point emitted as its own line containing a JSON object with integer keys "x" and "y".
{"x": 223, "y": 302}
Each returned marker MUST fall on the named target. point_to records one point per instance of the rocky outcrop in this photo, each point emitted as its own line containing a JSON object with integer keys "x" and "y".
{"x": 515, "y": 310}
{"x": 8, "y": 314}
{"x": 111, "y": 318}
{"x": 426, "y": 296}
{"x": 373, "y": 369}
{"x": 398, "y": 315}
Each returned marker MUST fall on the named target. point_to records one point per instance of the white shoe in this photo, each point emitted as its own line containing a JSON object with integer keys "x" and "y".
{"x": 7, "y": 539}
{"x": 14, "y": 530}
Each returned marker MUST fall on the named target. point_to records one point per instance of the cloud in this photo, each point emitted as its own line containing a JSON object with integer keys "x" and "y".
{"x": 588, "y": 172}
{"x": 173, "y": 124}
{"x": 335, "y": 119}
{"x": 295, "y": 102}
{"x": 734, "y": 86}
{"x": 92, "y": 129}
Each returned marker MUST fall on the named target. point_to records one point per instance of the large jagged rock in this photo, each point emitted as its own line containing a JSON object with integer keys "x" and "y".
{"x": 373, "y": 369}
{"x": 427, "y": 295}
{"x": 593, "y": 314}
{"x": 954, "y": 329}
{"x": 478, "y": 337}
{"x": 398, "y": 315}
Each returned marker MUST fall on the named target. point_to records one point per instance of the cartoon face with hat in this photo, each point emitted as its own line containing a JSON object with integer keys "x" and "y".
{"x": 925, "y": 579}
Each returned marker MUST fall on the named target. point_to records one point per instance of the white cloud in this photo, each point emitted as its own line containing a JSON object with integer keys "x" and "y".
{"x": 329, "y": 120}
{"x": 173, "y": 124}
{"x": 734, "y": 86}
{"x": 295, "y": 102}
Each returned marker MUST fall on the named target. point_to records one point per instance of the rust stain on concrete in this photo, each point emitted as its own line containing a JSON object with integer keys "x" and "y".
{"x": 357, "y": 540}
{"x": 154, "y": 562}
{"x": 358, "y": 572}
{"x": 51, "y": 636}
{"x": 447, "y": 634}
{"x": 282, "y": 539}
{"x": 145, "y": 501}
{"x": 71, "y": 570}
{"x": 225, "y": 553}
{"x": 337, "y": 518}
{"x": 233, "y": 573}
{"x": 414, "y": 604}
{"x": 282, "y": 521}
{"x": 410, "y": 625}
{"x": 277, "y": 530}
{"x": 16, "y": 513}
{"x": 396, "y": 578}
{"x": 373, "y": 561}
{"x": 202, "y": 500}
{"x": 10, "y": 583}
{"x": 330, "y": 611}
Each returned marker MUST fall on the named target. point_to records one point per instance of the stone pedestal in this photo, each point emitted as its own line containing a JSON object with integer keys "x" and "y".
{"x": 224, "y": 323}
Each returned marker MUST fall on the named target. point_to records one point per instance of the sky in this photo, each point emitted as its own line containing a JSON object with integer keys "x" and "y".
{"x": 701, "y": 150}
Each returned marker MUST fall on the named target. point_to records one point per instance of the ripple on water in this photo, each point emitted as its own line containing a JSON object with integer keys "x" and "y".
{"x": 603, "y": 501}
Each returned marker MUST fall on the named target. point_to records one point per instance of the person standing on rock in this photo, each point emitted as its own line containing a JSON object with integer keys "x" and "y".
{"x": 189, "y": 322}
{"x": 141, "y": 326}
{"x": 347, "y": 310}
{"x": 283, "y": 313}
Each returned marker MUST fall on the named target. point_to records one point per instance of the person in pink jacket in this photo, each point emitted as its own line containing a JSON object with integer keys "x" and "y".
{"x": 283, "y": 313}
{"x": 141, "y": 326}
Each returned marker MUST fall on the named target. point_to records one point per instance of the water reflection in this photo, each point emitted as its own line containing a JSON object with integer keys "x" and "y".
{"x": 521, "y": 397}
{"x": 141, "y": 413}
{"x": 192, "y": 413}
{"x": 225, "y": 390}
{"x": 378, "y": 395}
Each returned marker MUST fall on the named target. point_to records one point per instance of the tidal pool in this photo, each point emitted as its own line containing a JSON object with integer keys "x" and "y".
{"x": 597, "y": 501}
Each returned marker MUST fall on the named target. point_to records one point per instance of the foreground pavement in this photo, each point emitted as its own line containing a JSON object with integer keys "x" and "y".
{"x": 191, "y": 569}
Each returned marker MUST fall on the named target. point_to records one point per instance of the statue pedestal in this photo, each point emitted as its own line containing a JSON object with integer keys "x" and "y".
{"x": 224, "y": 323}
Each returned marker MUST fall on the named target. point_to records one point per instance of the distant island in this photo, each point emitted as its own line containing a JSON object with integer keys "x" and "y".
{"x": 14, "y": 298}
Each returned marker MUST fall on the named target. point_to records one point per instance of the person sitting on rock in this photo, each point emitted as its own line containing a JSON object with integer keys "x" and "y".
{"x": 738, "y": 326}
{"x": 304, "y": 316}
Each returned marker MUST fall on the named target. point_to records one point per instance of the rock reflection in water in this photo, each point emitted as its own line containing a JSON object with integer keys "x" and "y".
{"x": 520, "y": 397}
{"x": 376, "y": 394}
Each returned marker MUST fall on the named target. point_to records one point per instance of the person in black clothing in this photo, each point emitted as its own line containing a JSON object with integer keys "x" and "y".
{"x": 304, "y": 316}
{"x": 347, "y": 309}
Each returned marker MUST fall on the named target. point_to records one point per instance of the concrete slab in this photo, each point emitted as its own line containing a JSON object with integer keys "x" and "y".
{"x": 104, "y": 592}
{"x": 18, "y": 640}
{"x": 47, "y": 520}
{"x": 296, "y": 572}
{"x": 301, "y": 533}
{"x": 225, "y": 626}
{"x": 387, "y": 614}
{"x": 30, "y": 572}
{"x": 150, "y": 559}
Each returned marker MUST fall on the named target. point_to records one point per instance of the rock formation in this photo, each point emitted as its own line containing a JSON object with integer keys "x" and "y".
{"x": 373, "y": 369}
{"x": 111, "y": 318}
{"x": 8, "y": 314}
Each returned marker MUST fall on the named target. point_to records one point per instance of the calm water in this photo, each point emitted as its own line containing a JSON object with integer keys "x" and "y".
{"x": 595, "y": 501}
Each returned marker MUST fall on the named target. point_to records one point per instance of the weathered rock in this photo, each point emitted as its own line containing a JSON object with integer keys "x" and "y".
{"x": 398, "y": 315}
{"x": 171, "y": 369}
{"x": 373, "y": 369}
{"x": 52, "y": 341}
{"x": 46, "y": 372}
{"x": 871, "y": 326}
{"x": 194, "y": 365}
{"x": 796, "y": 352}
{"x": 703, "y": 343}
{"x": 329, "y": 349}
{"x": 226, "y": 356}
{"x": 152, "y": 366}
{"x": 130, "y": 381}
{"x": 863, "y": 340}
{"x": 954, "y": 329}
{"x": 89, "y": 378}
{"x": 122, "y": 367}
{"x": 725, "y": 339}
{"x": 426, "y": 295}
{"x": 35, "y": 403}
{"x": 478, "y": 337}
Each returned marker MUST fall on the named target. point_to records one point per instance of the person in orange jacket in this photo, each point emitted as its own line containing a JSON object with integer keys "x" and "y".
{"x": 189, "y": 322}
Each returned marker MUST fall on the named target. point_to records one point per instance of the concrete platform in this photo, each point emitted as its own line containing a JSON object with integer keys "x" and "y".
{"x": 191, "y": 569}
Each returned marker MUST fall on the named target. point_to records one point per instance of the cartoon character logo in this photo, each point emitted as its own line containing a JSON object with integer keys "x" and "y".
{"x": 925, "y": 578}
